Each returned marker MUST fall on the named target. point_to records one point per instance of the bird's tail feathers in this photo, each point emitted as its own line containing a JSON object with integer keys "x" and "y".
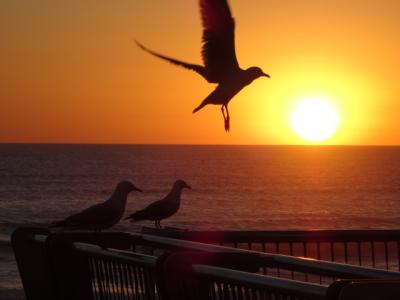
{"x": 199, "y": 107}
{"x": 134, "y": 217}
{"x": 57, "y": 224}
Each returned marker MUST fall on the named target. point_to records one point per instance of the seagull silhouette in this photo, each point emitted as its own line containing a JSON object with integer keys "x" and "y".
{"x": 163, "y": 208}
{"x": 219, "y": 57}
{"x": 103, "y": 215}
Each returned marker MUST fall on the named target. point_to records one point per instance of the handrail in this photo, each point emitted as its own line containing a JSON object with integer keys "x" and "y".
{"x": 303, "y": 289}
{"x": 318, "y": 267}
{"x": 39, "y": 238}
{"x": 260, "y": 236}
{"x": 114, "y": 254}
{"x": 379, "y": 248}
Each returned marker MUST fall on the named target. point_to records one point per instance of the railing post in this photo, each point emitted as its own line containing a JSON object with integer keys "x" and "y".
{"x": 71, "y": 270}
{"x": 33, "y": 264}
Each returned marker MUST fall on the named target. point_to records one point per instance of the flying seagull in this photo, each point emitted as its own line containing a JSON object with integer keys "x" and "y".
{"x": 103, "y": 215}
{"x": 163, "y": 208}
{"x": 219, "y": 57}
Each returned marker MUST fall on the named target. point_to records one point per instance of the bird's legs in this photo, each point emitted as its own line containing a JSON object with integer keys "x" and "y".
{"x": 157, "y": 223}
{"x": 224, "y": 108}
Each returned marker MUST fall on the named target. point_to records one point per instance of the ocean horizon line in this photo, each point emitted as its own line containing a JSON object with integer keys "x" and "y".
{"x": 207, "y": 145}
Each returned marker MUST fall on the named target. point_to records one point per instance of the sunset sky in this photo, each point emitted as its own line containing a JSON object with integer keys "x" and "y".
{"x": 71, "y": 73}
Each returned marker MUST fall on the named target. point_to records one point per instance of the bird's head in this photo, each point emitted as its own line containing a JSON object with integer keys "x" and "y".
{"x": 126, "y": 187}
{"x": 255, "y": 72}
{"x": 180, "y": 184}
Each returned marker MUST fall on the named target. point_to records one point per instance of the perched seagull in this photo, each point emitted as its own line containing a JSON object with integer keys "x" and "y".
{"x": 219, "y": 57}
{"x": 163, "y": 208}
{"x": 103, "y": 215}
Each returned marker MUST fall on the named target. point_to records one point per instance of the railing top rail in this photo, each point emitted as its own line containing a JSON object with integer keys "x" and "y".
{"x": 114, "y": 254}
{"x": 39, "y": 238}
{"x": 301, "y": 264}
{"x": 305, "y": 289}
{"x": 256, "y": 236}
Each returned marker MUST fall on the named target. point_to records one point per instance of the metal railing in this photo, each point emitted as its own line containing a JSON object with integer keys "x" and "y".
{"x": 186, "y": 277}
{"x": 371, "y": 248}
{"x": 224, "y": 283}
{"x": 119, "y": 275}
{"x": 67, "y": 267}
{"x": 285, "y": 266}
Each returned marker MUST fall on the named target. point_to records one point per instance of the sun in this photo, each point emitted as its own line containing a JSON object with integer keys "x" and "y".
{"x": 314, "y": 119}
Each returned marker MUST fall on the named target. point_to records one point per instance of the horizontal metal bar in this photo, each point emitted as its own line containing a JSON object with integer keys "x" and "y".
{"x": 287, "y": 286}
{"x": 115, "y": 255}
{"x": 39, "y": 238}
{"x": 287, "y": 262}
{"x": 244, "y": 236}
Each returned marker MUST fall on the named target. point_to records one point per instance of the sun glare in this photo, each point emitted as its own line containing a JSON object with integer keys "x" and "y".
{"x": 314, "y": 119}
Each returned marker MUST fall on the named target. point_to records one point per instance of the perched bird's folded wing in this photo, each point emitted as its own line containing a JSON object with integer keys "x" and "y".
{"x": 218, "y": 51}
{"x": 197, "y": 68}
{"x": 154, "y": 210}
{"x": 94, "y": 215}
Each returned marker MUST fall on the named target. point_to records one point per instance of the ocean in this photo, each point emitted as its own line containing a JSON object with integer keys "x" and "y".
{"x": 234, "y": 187}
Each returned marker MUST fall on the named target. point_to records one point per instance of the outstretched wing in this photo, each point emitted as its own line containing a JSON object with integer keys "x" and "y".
{"x": 197, "y": 68}
{"x": 218, "y": 51}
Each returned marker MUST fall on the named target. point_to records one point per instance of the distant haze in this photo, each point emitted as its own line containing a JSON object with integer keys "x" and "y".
{"x": 71, "y": 73}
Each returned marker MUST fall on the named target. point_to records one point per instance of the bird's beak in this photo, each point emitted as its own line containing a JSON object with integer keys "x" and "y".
{"x": 137, "y": 189}
{"x": 187, "y": 186}
{"x": 266, "y": 75}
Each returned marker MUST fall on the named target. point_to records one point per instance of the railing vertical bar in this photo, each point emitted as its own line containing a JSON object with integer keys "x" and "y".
{"x": 233, "y": 292}
{"x": 103, "y": 279}
{"x": 386, "y": 254}
{"x": 264, "y": 249}
{"x": 225, "y": 290}
{"x": 373, "y": 253}
{"x": 112, "y": 281}
{"x": 114, "y": 270}
{"x": 138, "y": 291}
{"x": 247, "y": 293}
{"x": 117, "y": 280}
{"x": 125, "y": 282}
{"x": 131, "y": 282}
{"x": 359, "y": 250}
{"x": 305, "y": 255}
{"x": 107, "y": 280}
{"x": 253, "y": 294}
{"x": 220, "y": 295}
{"x": 398, "y": 255}
{"x": 141, "y": 281}
{"x": 93, "y": 278}
{"x": 277, "y": 251}
{"x": 319, "y": 258}
{"x": 318, "y": 250}
{"x": 122, "y": 281}
{"x": 291, "y": 254}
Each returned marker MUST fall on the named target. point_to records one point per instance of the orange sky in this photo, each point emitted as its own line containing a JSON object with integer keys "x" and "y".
{"x": 70, "y": 72}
